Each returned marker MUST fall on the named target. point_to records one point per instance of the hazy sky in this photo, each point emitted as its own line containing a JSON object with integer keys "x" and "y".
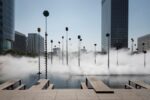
{"x": 81, "y": 16}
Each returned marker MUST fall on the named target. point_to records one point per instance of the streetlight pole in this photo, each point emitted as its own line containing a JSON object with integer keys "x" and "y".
{"x": 95, "y": 52}
{"x": 79, "y": 38}
{"x": 39, "y": 72}
{"x": 80, "y": 50}
{"x": 67, "y": 45}
{"x": 144, "y": 51}
{"x": 108, "y": 35}
{"x": 69, "y": 54}
{"x": 46, "y": 14}
{"x": 117, "y": 47}
{"x": 132, "y": 40}
{"x": 144, "y": 57}
{"x": 62, "y": 49}
{"x": 51, "y": 51}
{"x": 117, "y": 56}
{"x": 59, "y": 51}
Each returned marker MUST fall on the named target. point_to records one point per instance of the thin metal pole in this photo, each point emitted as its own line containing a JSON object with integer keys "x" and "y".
{"x": 67, "y": 47}
{"x": 79, "y": 53}
{"x": 132, "y": 46}
{"x": 46, "y": 14}
{"x": 51, "y": 53}
{"x": 46, "y": 48}
{"x": 95, "y": 54}
{"x": 59, "y": 52}
{"x": 108, "y": 52}
{"x": 117, "y": 57}
{"x": 39, "y": 57}
{"x": 62, "y": 50}
{"x": 144, "y": 60}
{"x": 144, "y": 51}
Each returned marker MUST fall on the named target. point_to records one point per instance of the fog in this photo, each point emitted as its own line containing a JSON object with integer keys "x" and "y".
{"x": 22, "y": 67}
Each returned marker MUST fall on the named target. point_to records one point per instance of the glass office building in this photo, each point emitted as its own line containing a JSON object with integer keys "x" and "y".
{"x": 115, "y": 22}
{"x": 143, "y": 39}
{"x": 6, "y": 24}
{"x": 20, "y": 42}
{"x": 35, "y": 42}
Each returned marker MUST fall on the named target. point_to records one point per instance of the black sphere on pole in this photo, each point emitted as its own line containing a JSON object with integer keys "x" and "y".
{"x": 58, "y": 42}
{"x": 67, "y": 28}
{"x": 144, "y": 51}
{"x": 79, "y": 37}
{"x": 51, "y": 41}
{"x": 70, "y": 39}
{"x": 39, "y": 29}
{"x": 134, "y": 44}
{"x": 107, "y": 35}
{"x": 143, "y": 44}
{"x": 132, "y": 39}
{"x": 46, "y": 13}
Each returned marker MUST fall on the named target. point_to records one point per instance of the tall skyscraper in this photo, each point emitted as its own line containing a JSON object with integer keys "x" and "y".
{"x": 115, "y": 22}
{"x": 34, "y": 43}
{"x": 6, "y": 24}
{"x": 20, "y": 42}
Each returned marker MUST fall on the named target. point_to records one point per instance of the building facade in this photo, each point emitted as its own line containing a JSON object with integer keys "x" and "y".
{"x": 83, "y": 50}
{"x": 6, "y": 24}
{"x": 20, "y": 42}
{"x": 144, "y": 39}
{"x": 35, "y": 42}
{"x": 114, "y": 22}
{"x": 56, "y": 51}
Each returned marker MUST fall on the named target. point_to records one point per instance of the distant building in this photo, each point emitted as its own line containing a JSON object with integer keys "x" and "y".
{"x": 34, "y": 42}
{"x": 56, "y": 51}
{"x": 115, "y": 22}
{"x": 83, "y": 50}
{"x": 144, "y": 39}
{"x": 20, "y": 42}
{"x": 6, "y": 24}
